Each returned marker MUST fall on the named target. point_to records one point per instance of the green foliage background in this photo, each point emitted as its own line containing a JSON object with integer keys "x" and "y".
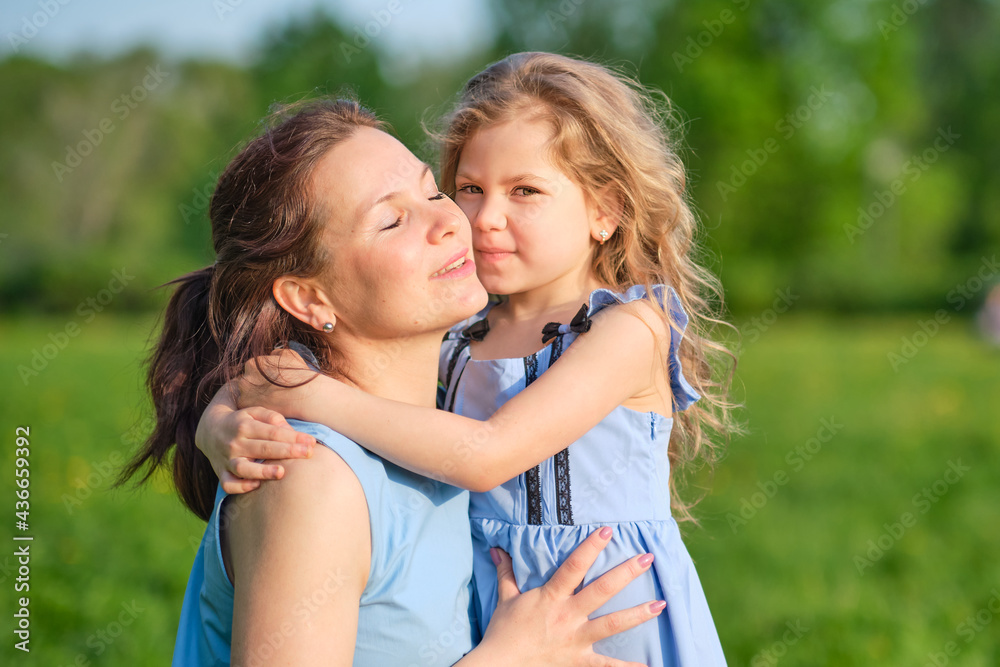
{"x": 885, "y": 79}
{"x": 739, "y": 73}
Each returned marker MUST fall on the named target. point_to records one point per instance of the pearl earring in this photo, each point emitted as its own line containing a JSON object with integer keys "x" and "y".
{"x": 604, "y": 236}
{"x": 328, "y": 327}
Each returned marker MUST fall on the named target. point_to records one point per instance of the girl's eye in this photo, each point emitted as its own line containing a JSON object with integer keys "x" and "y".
{"x": 525, "y": 190}
{"x": 471, "y": 189}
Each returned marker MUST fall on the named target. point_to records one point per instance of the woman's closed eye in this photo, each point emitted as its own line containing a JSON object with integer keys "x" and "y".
{"x": 392, "y": 225}
{"x": 398, "y": 221}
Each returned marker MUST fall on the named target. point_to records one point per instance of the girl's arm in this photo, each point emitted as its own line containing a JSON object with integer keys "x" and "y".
{"x": 614, "y": 361}
{"x": 284, "y": 549}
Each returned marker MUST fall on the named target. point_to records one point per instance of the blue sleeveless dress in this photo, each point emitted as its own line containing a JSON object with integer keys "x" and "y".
{"x": 415, "y": 608}
{"x": 615, "y": 475}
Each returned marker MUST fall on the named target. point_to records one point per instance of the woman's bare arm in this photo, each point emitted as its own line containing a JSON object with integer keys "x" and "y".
{"x": 285, "y": 547}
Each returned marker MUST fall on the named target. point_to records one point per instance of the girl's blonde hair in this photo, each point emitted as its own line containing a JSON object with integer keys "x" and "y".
{"x": 609, "y": 134}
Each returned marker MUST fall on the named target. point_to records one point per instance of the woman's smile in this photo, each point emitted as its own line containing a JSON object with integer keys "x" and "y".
{"x": 460, "y": 266}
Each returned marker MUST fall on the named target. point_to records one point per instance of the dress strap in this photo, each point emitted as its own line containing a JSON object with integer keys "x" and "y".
{"x": 456, "y": 352}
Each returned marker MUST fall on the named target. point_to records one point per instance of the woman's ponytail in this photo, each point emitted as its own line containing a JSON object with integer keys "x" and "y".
{"x": 184, "y": 374}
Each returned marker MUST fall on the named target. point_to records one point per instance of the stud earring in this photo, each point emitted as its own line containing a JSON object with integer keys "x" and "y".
{"x": 604, "y": 236}
{"x": 328, "y": 327}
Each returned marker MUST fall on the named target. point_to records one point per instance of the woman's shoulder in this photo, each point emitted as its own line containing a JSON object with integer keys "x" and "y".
{"x": 327, "y": 481}
{"x": 357, "y": 457}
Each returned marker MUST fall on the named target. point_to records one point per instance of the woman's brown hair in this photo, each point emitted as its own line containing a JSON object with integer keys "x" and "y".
{"x": 265, "y": 224}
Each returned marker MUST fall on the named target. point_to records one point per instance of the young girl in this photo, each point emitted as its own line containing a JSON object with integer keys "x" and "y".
{"x": 575, "y": 197}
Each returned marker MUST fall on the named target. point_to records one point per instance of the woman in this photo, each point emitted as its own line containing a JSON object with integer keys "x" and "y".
{"x": 330, "y": 234}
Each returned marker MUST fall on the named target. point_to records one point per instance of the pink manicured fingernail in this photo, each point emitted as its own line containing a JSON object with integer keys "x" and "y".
{"x": 645, "y": 560}
{"x": 657, "y": 607}
{"x": 494, "y": 556}
{"x": 605, "y": 533}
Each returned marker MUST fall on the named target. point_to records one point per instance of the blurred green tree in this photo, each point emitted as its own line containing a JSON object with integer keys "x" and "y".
{"x": 841, "y": 150}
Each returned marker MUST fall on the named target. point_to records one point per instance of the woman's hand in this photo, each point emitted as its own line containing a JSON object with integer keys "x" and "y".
{"x": 549, "y": 625}
{"x": 234, "y": 440}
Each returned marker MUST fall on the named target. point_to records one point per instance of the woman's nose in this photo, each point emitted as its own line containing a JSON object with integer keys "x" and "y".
{"x": 447, "y": 221}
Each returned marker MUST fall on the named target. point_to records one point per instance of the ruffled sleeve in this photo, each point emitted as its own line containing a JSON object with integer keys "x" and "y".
{"x": 684, "y": 394}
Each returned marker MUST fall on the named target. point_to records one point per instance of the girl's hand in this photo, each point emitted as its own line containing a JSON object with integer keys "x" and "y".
{"x": 233, "y": 440}
{"x": 549, "y": 625}
{"x": 283, "y": 366}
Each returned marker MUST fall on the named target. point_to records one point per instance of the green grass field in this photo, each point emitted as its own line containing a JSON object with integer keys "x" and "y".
{"x": 855, "y": 524}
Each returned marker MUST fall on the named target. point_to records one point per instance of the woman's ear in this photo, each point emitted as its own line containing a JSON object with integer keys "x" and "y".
{"x": 304, "y": 300}
{"x": 606, "y": 212}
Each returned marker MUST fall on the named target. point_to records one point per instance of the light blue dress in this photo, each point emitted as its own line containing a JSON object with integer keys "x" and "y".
{"x": 415, "y": 608}
{"x": 615, "y": 475}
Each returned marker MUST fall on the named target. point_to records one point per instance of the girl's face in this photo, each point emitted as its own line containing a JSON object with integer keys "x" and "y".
{"x": 401, "y": 252}
{"x": 531, "y": 224}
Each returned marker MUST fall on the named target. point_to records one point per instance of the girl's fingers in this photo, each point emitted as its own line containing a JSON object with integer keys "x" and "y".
{"x": 234, "y": 485}
{"x": 569, "y": 575}
{"x": 599, "y": 591}
{"x": 506, "y": 583}
{"x": 285, "y": 432}
{"x": 269, "y": 450}
{"x": 267, "y": 416}
{"x": 620, "y": 621}
{"x": 247, "y": 470}
{"x": 264, "y": 434}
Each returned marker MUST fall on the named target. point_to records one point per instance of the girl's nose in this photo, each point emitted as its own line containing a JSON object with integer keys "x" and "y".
{"x": 489, "y": 217}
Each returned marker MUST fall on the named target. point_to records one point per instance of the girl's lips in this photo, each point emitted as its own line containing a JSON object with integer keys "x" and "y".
{"x": 492, "y": 255}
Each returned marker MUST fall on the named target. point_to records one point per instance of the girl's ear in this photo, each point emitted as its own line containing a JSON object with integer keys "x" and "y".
{"x": 305, "y": 300}
{"x": 607, "y": 208}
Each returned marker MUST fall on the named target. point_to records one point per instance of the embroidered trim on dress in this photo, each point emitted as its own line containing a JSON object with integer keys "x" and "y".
{"x": 564, "y": 500}
{"x": 531, "y": 477}
{"x": 557, "y": 350}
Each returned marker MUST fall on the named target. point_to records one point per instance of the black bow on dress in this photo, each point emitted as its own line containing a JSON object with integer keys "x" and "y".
{"x": 579, "y": 324}
{"x": 477, "y": 331}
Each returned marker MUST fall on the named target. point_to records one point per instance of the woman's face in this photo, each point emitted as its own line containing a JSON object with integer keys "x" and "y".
{"x": 401, "y": 252}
